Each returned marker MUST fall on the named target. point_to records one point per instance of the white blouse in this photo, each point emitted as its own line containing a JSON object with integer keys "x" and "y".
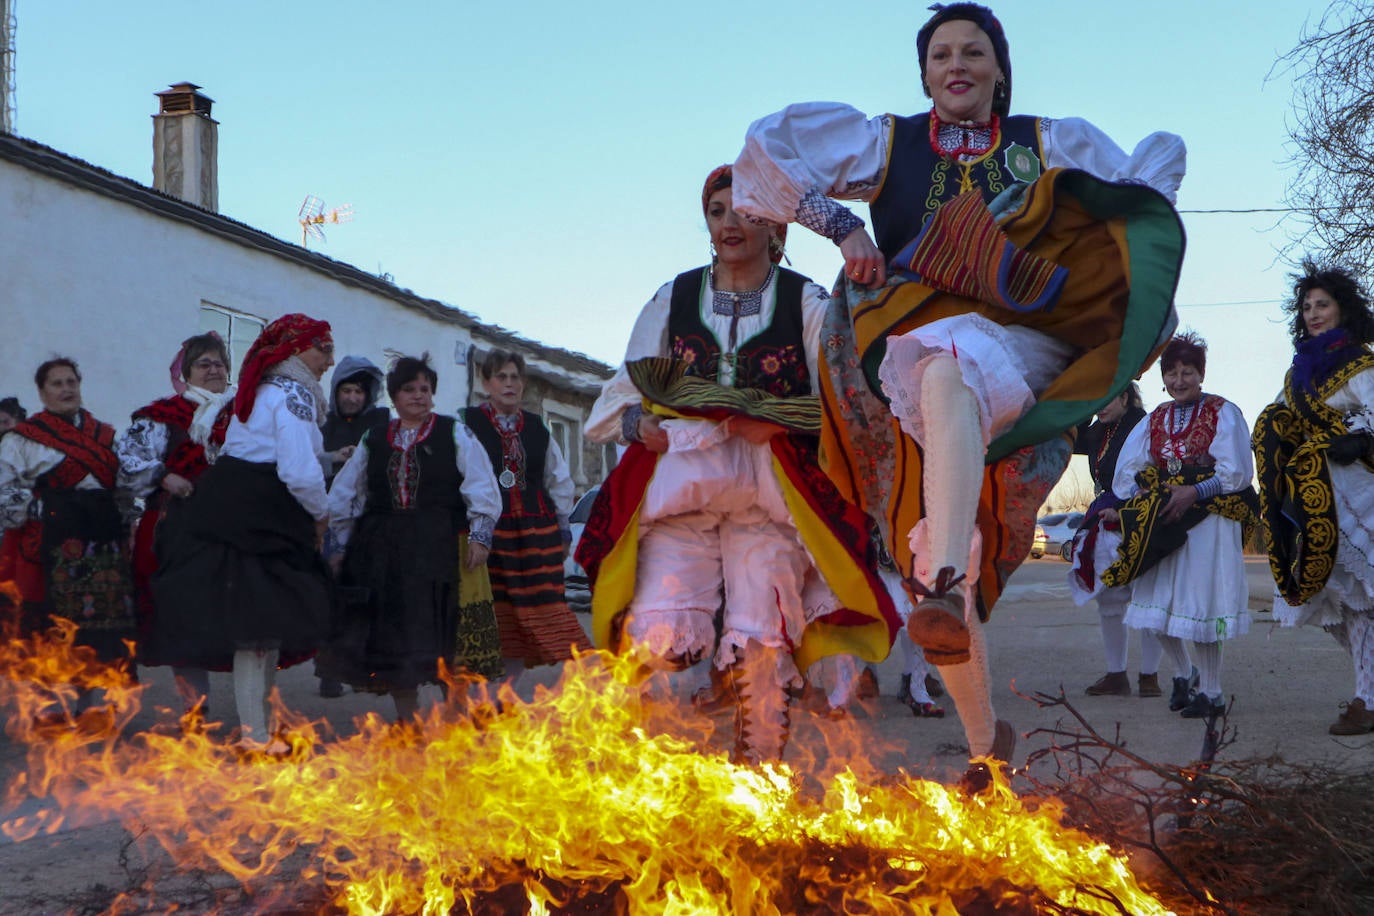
{"x": 1230, "y": 448}
{"x": 283, "y": 430}
{"x": 839, "y": 151}
{"x": 650, "y": 338}
{"x": 22, "y": 462}
{"x": 480, "y": 491}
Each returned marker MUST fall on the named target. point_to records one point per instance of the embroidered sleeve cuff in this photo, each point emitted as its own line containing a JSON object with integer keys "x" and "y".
{"x": 479, "y": 530}
{"x": 1208, "y": 488}
{"x": 824, "y": 216}
{"x": 629, "y": 423}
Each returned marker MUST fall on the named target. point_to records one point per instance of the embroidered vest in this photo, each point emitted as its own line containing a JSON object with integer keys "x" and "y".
{"x": 432, "y": 478}
{"x": 917, "y": 181}
{"x": 773, "y": 360}
{"x": 534, "y": 438}
{"x": 1189, "y": 445}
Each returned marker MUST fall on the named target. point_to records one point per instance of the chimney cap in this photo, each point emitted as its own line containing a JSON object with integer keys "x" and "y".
{"x": 182, "y": 98}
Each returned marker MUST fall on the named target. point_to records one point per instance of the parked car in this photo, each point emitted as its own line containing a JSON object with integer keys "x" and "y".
{"x": 1038, "y": 545}
{"x": 1058, "y": 530}
{"x": 575, "y": 584}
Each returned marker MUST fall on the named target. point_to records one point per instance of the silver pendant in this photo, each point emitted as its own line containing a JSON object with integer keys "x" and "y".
{"x": 507, "y": 479}
{"x": 1174, "y": 466}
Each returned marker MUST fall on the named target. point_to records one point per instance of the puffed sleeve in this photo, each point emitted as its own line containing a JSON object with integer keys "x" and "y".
{"x": 481, "y": 493}
{"x": 1235, "y": 463}
{"x": 1134, "y": 457}
{"x": 648, "y": 338}
{"x": 806, "y": 150}
{"x": 1159, "y": 160}
{"x": 815, "y": 300}
{"x": 558, "y": 481}
{"x": 22, "y": 462}
{"x": 142, "y": 451}
{"x": 348, "y": 495}
{"x": 296, "y": 445}
{"x": 1359, "y": 417}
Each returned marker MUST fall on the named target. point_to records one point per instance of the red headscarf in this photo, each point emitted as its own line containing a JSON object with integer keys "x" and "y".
{"x": 721, "y": 177}
{"x": 280, "y": 340}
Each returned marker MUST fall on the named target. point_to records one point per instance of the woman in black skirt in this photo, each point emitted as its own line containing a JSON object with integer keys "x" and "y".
{"x": 414, "y": 509}
{"x": 239, "y": 571}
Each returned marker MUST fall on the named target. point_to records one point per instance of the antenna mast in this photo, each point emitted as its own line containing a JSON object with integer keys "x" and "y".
{"x": 7, "y": 28}
{"x": 313, "y": 215}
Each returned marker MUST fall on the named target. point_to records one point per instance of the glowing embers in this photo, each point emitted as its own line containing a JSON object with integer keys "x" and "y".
{"x": 590, "y": 792}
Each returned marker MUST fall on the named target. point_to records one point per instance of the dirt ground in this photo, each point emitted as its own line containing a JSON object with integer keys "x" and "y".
{"x": 1286, "y": 684}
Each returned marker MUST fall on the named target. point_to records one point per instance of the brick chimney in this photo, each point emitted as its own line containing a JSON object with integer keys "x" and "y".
{"x": 185, "y": 142}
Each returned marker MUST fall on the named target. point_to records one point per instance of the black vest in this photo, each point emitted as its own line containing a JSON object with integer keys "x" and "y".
{"x": 773, "y": 360}
{"x": 534, "y": 436}
{"x": 436, "y": 481}
{"x": 917, "y": 181}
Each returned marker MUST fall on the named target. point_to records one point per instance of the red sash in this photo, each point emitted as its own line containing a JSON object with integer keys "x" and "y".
{"x": 89, "y": 449}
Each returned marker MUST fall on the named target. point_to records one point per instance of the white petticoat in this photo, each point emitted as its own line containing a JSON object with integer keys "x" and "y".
{"x": 1104, "y": 555}
{"x": 1004, "y": 366}
{"x": 1199, "y": 591}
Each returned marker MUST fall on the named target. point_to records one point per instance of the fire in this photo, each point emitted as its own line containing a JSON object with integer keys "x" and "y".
{"x": 591, "y": 788}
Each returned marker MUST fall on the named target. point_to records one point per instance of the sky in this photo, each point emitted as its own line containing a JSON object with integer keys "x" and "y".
{"x": 539, "y": 164}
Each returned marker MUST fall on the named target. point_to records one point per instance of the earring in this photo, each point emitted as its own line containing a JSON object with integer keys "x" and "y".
{"x": 712, "y": 247}
{"x": 999, "y": 91}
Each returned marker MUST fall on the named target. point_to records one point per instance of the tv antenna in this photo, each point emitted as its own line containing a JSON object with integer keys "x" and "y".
{"x": 313, "y": 215}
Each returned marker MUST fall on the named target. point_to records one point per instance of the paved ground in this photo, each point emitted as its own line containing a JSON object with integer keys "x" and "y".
{"x": 1287, "y": 686}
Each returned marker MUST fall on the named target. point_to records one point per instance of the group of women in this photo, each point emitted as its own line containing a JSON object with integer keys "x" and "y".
{"x": 227, "y": 572}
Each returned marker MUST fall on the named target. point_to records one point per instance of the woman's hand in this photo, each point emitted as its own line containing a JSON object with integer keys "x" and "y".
{"x": 751, "y": 430}
{"x": 177, "y": 485}
{"x": 1181, "y": 497}
{"x": 651, "y": 433}
{"x": 1110, "y": 516}
{"x": 477, "y": 555}
{"x": 863, "y": 262}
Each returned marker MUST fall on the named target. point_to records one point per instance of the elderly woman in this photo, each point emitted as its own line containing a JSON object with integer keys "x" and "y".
{"x": 1184, "y": 476}
{"x": 1009, "y": 326}
{"x": 1095, "y": 547}
{"x": 58, "y": 479}
{"x": 527, "y": 551}
{"x": 718, "y": 497}
{"x": 239, "y": 570}
{"x": 416, "y": 496}
{"x": 1314, "y": 450}
{"x": 170, "y": 444}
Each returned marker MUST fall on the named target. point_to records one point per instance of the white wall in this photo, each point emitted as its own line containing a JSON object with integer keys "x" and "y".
{"x": 117, "y": 288}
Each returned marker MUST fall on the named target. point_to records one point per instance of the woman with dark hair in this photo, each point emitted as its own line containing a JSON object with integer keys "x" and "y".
{"x": 1187, "y": 508}
{"x": 11, "y": 413}
{"x": 169, "y": 445}
{"x": 1014, "y": 317}
{"x": 65, "y": 532}
{"x": 718, "y": 502}
{"x": 413, "y": 510}
{"x": 1314, "y": 451}
{"x": 532, "y": 534}
{"x": 1095, "y": 546}
{"x": 239, "y": 573}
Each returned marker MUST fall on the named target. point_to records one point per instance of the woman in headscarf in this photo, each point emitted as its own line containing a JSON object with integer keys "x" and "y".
{"x": 239, "y": 571}
{"x": 1185, "y": 476}
{"x": 1008, "y": 327}
{"x": 170, "y": 444}
{"x": 414, "y": 510}
{"x": 63, "y": 518}
{"x": 1314, "y": 451}
{"x": 718, "y": 498}
{"x": 1095, "y": 544}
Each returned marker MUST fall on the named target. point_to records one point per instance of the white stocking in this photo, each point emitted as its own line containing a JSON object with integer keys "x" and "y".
{"x": 953, "y": 469}
{"x": 1114, "y": 642}
{"x": 969, "y": 686}
{"x": 1178, "y": 654}
{"x": 1360, "y": 631}
{"x": 1209, "y": 668}
{"x": 254, "y": 671}
{"x": 1150, "y": 652}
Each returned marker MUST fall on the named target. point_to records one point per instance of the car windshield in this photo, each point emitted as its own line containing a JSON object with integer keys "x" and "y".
{"x": 583, "y": 510}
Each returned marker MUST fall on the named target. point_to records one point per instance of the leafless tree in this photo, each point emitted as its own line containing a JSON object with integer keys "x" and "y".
{"x": 1332, "y": 135}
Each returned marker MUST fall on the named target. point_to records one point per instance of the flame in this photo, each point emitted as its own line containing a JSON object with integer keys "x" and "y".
{"x": 594, "y": 787}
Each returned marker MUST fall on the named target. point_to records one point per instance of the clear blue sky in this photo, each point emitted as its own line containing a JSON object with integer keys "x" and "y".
{"x": 539, "y": 164}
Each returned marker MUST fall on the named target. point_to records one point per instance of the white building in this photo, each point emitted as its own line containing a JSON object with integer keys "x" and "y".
{"x": 115, "y": 275}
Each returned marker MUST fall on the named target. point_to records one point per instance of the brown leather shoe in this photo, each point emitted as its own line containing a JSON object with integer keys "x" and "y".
{"x": 1147, "y": 685}
{"x": 1355, "y": 719}
{"x": 937, "y": 626}
{"x": 1111, "y": 684}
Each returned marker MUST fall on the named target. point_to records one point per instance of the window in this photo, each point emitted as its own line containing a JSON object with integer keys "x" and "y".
{"x": 565, "y": 433}
{"x": 239, "y": 330}
{"x": 609, "y": 456}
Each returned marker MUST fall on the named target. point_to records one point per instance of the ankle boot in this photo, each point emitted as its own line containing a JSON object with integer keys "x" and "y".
{"x": 762, "y": 718}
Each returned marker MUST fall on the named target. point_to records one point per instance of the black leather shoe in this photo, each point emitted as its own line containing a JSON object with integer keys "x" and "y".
{"x": 1183, "y": 691}
{"x": 1202, "y": 706}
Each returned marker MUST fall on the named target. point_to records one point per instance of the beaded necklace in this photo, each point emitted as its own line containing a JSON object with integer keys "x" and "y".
{"x": 965, "y": 140}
